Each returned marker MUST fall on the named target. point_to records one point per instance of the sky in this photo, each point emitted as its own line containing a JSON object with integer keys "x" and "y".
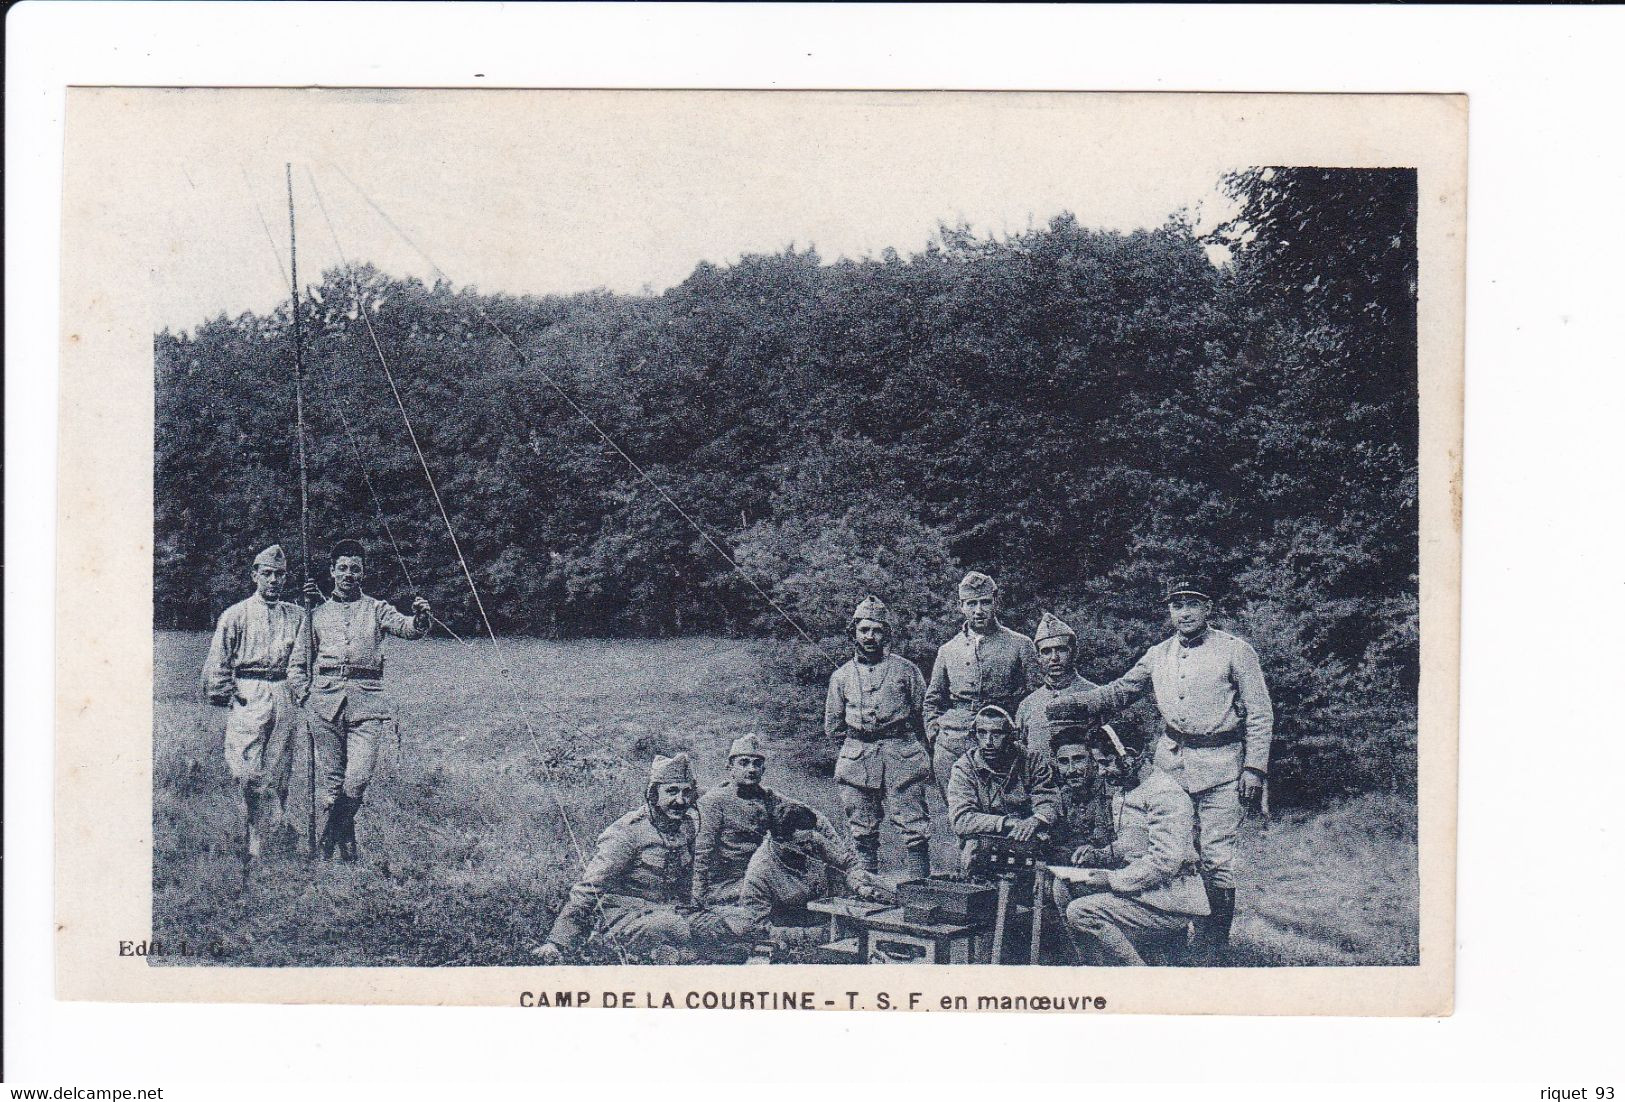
{"x": 558, "y": 192}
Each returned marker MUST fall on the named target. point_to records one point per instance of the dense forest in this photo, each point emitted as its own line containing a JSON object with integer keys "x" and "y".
{"x": 1076, "y": 412}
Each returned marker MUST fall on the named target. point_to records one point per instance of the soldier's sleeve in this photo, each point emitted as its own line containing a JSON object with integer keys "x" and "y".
{"x": 217, "y": 679}
{"x": 706, "y": 841}
{"x": 397, "y": 623}
{"x": 937, "y": 698}
{"x": 1255, "y": 697}
{"x": 963, "y": 814}
{"x": 835, "y": 707}
{"x": 299, "y": 671}
{"x": 916, "y": 700}
{"x": 1030, "y": 671}
{"x": 615, "y": 852}
{"x": 1169, "y": 820}
{"x": 1046, "y": 791}
{"x": 1116, "y": 695}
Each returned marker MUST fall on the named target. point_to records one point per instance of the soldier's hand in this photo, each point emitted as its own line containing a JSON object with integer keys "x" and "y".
{"x": 548, "y": 953}
{"x": 1088, "y": 855}
{"x": 420, "y": 607}
{"x": 1097, "y": 879}
{"x": 1022, "y": 830}
{"x": 1251, "y": 787}
{"x": 312, "y": 590}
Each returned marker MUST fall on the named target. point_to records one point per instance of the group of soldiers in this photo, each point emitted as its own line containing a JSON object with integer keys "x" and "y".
{"x": 1027, "y": 755}
{"x": 269, "y": 660}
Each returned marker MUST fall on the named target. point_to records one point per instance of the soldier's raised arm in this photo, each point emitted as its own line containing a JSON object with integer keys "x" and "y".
{"x": 401, "y": 625}
{"x": 1111, "y": 697}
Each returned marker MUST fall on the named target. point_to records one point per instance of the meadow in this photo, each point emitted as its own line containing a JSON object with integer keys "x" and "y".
{"x": 476, "y": 825}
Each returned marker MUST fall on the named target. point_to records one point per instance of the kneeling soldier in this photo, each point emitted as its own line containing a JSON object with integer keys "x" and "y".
{"x": 1000, "y": 788}
{"x": 247, "y": 670}
{"x": 733, "y": 821}
{"x": 1149, "y": 885}
{"x": 876, "y": 704}
{"x": 800, "y": 860}
{"x": 637, "y": 883}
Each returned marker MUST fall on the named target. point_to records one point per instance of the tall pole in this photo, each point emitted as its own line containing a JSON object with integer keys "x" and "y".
{"x": 304, "y": 506}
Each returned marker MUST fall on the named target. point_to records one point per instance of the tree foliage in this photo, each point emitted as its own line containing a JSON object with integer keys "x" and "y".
{"x": 1074, "y": 411}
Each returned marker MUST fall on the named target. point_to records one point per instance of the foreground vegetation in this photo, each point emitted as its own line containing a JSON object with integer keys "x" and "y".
{"x": 467, "y": 854}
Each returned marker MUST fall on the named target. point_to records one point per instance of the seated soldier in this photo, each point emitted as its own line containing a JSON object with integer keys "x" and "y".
{"x": 1083, "y": 827}
{"x": 1000, "y": 789}
{"x": 733, "y": 821}
{"x": 1148, "y": 886}
{"x": 636, "y": 887}
{"x": 801, "y": 859}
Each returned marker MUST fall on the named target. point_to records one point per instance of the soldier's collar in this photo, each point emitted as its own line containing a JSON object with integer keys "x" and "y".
{"x": 1195, "y": 640}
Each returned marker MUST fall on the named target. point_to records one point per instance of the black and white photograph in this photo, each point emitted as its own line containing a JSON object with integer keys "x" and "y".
{"x": 784, "y": 529}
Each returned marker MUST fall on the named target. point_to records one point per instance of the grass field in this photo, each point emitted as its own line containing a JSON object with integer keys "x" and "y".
{"x": 470, "y": 833}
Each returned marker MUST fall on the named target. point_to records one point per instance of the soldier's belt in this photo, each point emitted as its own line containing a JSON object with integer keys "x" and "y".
{"x": 246, "y": 673}
{"x": 900, "y": 729}
{"x": 347, "y": 671}
{"x": 1204, "y": 742}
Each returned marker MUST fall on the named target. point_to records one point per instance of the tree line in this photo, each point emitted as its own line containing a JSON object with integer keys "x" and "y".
{"x": 1077, "y": 412}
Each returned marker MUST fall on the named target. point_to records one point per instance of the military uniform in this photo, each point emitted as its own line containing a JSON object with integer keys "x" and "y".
{"x": 1155, "y": 889}
{"x": 247, "y": 668}
{"x": 1032, "y": 724}
{"x": 638, "y": 878}
{"x": 877, "y": 709}
{"x": 973, "y": 670}
{"x": 981, "y": 798}
{"x": 1217, "y": 719}
{"x": 349, "y": 715}
{"x": 780, "y": 879}
{"x": 733, "y": 822}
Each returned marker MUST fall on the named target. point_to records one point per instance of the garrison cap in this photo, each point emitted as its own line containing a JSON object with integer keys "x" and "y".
{"x": 746, "y": 746}
{"x": 273, "y": 557}
{"x": 1053, "y": 627}
{"x": 995, "y": 713}
{"x": 673, "y": 770}
{"x": 872, "y": 608}
{"x": 1193, "y": 585}
{"x": 976, "y": 584}
{"x": 348, "y": 549}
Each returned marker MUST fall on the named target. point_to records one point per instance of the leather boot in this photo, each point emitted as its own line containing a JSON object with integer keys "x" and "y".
{"x": 868, "y": 853}
{"x": 347, "y": 837}
{"x": 917, "y": 860}
{"x": 333, "y": 826}
{"x": 1213, "y": 930}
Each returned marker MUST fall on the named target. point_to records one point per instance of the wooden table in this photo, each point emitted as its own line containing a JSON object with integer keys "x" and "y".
{"x": 857, "y": 922}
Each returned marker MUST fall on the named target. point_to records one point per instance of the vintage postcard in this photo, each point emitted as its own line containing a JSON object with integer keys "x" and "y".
{"x": 772, "y": 550}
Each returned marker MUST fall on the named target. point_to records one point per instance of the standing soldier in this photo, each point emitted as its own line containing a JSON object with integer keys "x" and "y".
{"x": 985, "y": 663}
{"x": 247, "y": 670}
{"x": 1057, "y": 647}
{"x": 734, "y": 818}
{"x": 1217, "y": 727}
{"x": 876, "y": 704}
{"x": 349, "y": 717}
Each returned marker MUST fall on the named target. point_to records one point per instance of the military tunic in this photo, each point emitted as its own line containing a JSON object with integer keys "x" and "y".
{"x": 637, "y": 878}
{"x": 877, "y": 709}
{"x": 973, "y": 670}
{"x": 349, "y": 714}
{"x": 248, "y": 667}
{"x": 1156, "y": 888}
{"x": 733, "y": 823}
{"x": 981, "y": 797}
{"x": 1217, "y": 719}
{"x": 1032, "y": 724}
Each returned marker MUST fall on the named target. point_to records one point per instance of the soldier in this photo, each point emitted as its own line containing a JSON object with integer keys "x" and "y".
{"x": 733, "y": 821}
{"x": 349, "y": 717}
{"x": 1000, "y": 788}
{"x": 1217, "y": 727}
{"x": 800, "y": 860}
{"x": 1083, "y": 824}
{"x": 876, "y": 705}
{"x": 985, "y": 663}
{"x": 638, "y": 882}
{"x": 1148, "y": 885}
{"x": 247, "y": 670}
{"x": 1057, "y": 646}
